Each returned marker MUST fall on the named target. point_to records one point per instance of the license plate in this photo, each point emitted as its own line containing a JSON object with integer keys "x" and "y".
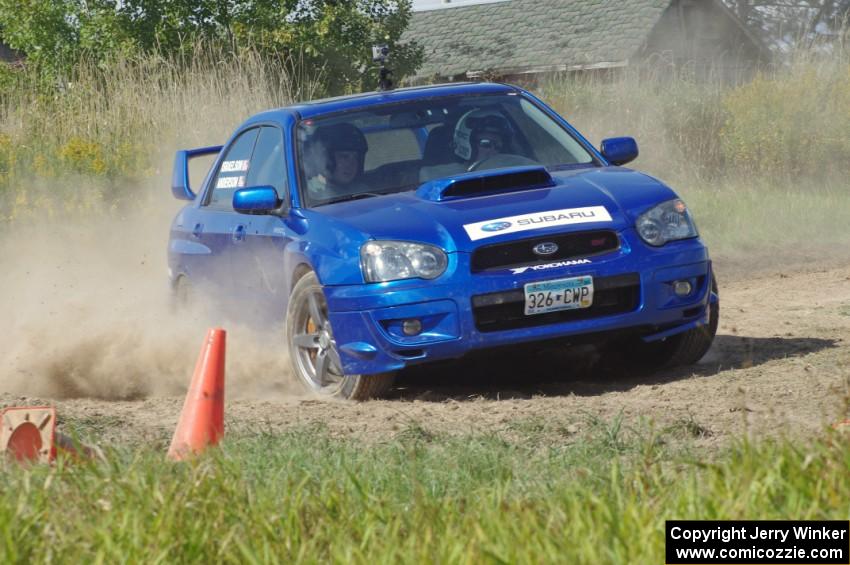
{"x": 559, "y": 294}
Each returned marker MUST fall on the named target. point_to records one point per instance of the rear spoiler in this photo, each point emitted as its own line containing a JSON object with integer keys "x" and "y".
{"x": 180, "y": 177}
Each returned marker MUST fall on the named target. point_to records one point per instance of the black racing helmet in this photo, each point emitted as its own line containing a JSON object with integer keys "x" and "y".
{"x": 342, "y": 137}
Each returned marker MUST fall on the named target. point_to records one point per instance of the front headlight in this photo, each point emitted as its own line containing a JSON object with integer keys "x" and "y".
{"x": 666, "y": 222}
{"x": 383, "y": 261}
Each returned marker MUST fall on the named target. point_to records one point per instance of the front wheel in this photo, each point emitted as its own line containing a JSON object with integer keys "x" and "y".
{"x": 313, "y": 350}
{"x": 682, "y": 349}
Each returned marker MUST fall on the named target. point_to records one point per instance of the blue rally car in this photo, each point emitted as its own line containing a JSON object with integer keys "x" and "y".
{"x": 389, "y": 229}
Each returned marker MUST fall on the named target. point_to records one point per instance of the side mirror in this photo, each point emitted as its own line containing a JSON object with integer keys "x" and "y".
{"x": 619, "y": 150}
{"x": 256, "y": 200}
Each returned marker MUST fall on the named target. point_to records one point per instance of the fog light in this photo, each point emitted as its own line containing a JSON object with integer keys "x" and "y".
{"x": 682, "y": 288}
{"x": 411, "y": 327}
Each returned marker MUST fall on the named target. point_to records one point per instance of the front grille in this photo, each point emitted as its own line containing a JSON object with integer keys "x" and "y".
{"x": 506, "y": 310}
{"x": 520, "y": 253}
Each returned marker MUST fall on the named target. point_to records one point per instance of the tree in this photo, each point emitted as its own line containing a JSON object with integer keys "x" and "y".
{"x": 41, "y": 29}
{"x": 335, "y": 35}
{"x": 338, "y": 34}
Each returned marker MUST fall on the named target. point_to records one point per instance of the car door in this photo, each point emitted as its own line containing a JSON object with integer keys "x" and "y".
{"x": 261, "y": 270}
{"x": 215, "y": 224}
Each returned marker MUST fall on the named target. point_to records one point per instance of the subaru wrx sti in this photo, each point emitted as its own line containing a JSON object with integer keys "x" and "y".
{"x": 396, "y": 228}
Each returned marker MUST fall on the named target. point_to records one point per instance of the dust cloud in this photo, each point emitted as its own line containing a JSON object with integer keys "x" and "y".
{"x": 86, "y": 311}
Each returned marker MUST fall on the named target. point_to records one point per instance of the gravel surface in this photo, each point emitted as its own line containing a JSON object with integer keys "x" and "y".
{"x": 780, "y": 365}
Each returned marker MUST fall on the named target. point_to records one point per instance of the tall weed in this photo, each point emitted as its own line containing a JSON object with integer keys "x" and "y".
{"x": 787, "y": 122}
{"x": 109, "y": 129}
{"x": 791, "y": 123}
{"x": 743, "y": 154}
{"x": 763, "y": 163}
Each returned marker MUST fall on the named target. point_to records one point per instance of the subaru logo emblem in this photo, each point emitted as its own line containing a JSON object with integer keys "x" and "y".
{"x": 496, "y": 226}
{"x": 545, "y": 248}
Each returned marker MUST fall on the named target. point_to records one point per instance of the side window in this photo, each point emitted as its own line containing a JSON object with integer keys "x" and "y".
{"x": 234, "y": 168}
{"x": 268, "y": 165}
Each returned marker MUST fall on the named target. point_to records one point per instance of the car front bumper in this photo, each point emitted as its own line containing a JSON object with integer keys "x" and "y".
{"x": 464, "y": 311}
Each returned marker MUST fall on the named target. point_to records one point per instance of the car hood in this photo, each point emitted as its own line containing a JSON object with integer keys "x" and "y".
{"x": 598, "y": 198}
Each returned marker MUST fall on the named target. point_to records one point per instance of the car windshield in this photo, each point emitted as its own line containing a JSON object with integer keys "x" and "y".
{"x": 397, "y": 147}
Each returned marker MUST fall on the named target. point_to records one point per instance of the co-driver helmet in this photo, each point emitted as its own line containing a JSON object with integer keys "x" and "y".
{"x": 479, "y": 121}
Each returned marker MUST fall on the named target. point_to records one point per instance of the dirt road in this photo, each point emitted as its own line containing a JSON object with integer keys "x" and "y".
{"x": 780, "y": 365}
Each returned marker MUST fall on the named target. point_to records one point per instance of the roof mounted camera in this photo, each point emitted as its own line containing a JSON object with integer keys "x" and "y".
{"x": 381, "y": 54}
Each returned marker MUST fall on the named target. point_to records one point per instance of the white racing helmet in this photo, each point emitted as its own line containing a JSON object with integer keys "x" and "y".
{"x": 479, "y": 121}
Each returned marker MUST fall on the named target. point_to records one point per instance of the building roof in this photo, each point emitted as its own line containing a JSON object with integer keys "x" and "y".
{"x": 528, "y": 35}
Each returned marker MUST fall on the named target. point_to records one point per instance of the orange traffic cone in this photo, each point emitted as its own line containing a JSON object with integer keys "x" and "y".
{"x": 202, "y": 419}
{"x": 843, "y": 425}
{"x": 28, "y": 433}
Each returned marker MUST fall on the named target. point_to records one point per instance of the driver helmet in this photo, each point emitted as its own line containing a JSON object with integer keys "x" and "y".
{"x": 479, "y": 121}
{"x": 341, "y": 137}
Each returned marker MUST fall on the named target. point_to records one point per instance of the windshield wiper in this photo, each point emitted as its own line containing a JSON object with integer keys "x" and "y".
{"x": 348, "y": 197}
{"x": 567, "y": 166}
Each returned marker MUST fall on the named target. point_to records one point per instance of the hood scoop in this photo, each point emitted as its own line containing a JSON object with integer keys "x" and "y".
{"x": 482, "y": 183}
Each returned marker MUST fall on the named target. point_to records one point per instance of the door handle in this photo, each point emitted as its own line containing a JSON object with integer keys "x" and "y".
{"x": 239, "y": 233}
{"x": 198, "y": 230}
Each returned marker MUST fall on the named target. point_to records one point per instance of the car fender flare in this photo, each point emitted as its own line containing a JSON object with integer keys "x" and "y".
{"x": 330, "y": 268}
{"x": 296, "y": 264}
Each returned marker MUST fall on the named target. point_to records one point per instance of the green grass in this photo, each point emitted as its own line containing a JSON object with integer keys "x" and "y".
{"x": 302, "y": 496}
{"x": 757, "y": 219}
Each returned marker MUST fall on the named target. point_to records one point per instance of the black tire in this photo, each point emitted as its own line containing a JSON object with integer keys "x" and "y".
{"x": 312, "y": 349}
{"x": 692, "y": 345}
{"x": 682, "y": 349}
